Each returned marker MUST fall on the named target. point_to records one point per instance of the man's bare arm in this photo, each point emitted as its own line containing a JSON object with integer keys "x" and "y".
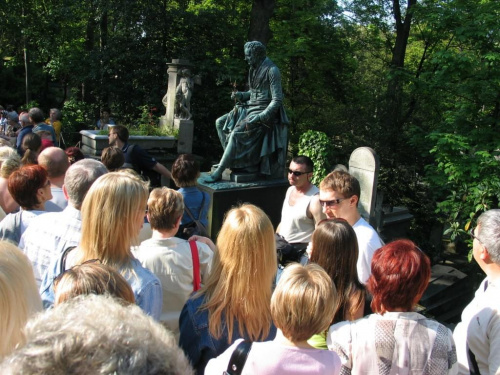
{"x": 161, "y": 169}
{"x": 315, "y": 211}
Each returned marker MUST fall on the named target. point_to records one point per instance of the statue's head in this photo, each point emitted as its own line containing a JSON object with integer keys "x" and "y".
{"x": 255, "y": 52}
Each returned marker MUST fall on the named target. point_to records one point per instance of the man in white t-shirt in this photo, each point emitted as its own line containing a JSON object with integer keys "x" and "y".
{"x": 301, "y": 210}
{"x": 339, "y": 194}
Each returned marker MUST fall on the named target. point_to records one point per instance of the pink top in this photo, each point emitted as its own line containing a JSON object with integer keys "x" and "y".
{"x": 271, "y": 358}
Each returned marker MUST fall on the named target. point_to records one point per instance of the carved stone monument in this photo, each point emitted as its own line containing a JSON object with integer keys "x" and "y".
{"x": 177, "y": 102}
{"x": 364, "y": 164}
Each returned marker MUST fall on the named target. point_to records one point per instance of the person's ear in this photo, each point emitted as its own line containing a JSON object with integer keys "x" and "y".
{"x": 484, "y": 255}
{"x": 178, "y": 223}
{"x": 65, "y": 192}
{"x": 354, "y": 200}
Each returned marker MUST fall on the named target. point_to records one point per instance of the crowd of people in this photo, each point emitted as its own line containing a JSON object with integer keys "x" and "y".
{"x": 102, "y": 273}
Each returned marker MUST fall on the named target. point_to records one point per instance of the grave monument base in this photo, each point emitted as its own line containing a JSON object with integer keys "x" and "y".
{"x": 266, "y": 194}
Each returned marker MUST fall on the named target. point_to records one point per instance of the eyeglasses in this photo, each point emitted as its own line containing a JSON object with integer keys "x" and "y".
{"x": 331, "y": 203}
{"x": 297, "y": 173}
{"x": 110, "y": 134}
{"x": 473, "y": 234}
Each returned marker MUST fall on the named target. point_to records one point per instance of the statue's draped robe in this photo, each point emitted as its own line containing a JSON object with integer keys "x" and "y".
{"x": 263, "y": 142}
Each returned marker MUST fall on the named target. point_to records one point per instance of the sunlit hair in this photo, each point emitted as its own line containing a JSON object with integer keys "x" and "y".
{"x": 341, "y": 182}
{"x": 55, "y": 161}
{"x": 92, "y": 278}
{"x": 238, "y": 288}
{"x": 165, "y": 207}
{"x": 400, "y": 275}
{"x": 97, "y": 335}
{"x": 489, "y": 233}
{"x": 110, "y": 213}
{"x": 80, "y": 177}
{"x": 335, "y": 248}
{"x": 9, "y": 161}
{"x": 113, "y": 158}
{"x": 31, "y": 145}
{"x": 24, "y": 183}
{"x": 19, "y": 298}
{"x": 303, "y": 302}
{"x": 185, "y": 170}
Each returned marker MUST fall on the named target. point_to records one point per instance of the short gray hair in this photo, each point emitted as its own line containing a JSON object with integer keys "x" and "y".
{"x": 57, "y": 112}
{"x": 36, "y": 115}
{"x": 80, "y": 177}
{"x": 489, "y": 233}
{"x": 96, "y": 334}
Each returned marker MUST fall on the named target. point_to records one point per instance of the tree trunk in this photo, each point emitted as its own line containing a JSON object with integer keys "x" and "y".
{"x": 393, "y": 118}
{"x": 262, "y": 10}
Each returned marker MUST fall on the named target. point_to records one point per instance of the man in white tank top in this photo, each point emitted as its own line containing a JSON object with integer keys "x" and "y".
{"x": 301, "y": 209}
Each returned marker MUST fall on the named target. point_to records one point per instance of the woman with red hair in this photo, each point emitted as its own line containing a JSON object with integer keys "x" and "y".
{"x": 30, "y": 187}
{"x": 395, "y": 340}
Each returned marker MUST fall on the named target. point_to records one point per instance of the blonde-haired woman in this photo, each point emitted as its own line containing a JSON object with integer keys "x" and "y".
{"x": 235, "y": 300}
{"x": 18, "y": 295}
{"x": 112, "y": 216}
{"x": 302, "y": 305}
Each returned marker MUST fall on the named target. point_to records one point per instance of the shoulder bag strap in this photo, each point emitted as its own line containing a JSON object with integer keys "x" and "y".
{"x": 189, "y": 213}
{"x": 63, "y": 258}
{"x": 196, "y": 266}
{"x": 238, "y": 358}
{"x": 202, "y": 204}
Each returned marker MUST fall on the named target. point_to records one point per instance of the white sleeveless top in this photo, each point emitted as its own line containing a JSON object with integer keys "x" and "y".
{"x": 295, "y": 226}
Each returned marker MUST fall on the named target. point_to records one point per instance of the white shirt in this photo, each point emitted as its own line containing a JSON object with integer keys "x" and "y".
{"x": 171, "y": 261}
{"x": 480, "y": 329}
{"x": 368, "y": 243}
{"x": 395, "y": 343}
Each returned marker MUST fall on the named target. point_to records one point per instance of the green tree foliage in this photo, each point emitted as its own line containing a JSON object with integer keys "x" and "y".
{"x": 317, "y": 146}
{"x": 417, "y": 80}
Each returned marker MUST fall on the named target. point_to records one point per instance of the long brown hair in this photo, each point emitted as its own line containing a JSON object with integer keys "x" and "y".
{"x": 335, "y": 248}
{"x": 238, "y": 288}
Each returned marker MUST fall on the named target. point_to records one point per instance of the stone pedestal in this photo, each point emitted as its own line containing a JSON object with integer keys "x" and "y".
{"x": 173, "y": 80}
{"x": 185, "y": 136}
{"x": 266, "y": 194}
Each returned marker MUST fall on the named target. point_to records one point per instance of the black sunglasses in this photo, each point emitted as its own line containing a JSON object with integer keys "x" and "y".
{"x": 331, "y": 203}
{"x": 297, "y": 173}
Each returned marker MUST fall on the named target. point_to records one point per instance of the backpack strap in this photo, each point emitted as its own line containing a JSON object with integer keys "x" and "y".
{"x": 196, "y": 265}
{"x": 238, "y": 358}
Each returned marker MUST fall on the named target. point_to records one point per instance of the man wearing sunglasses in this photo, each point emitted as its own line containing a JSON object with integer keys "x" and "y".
{"x": 301, "y": 210}
{"x": 339, "y": 194}
{"x": 477, "y": 336}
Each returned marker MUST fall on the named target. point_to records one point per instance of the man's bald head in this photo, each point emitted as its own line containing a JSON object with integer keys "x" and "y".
{"x": 55, "y": 161}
